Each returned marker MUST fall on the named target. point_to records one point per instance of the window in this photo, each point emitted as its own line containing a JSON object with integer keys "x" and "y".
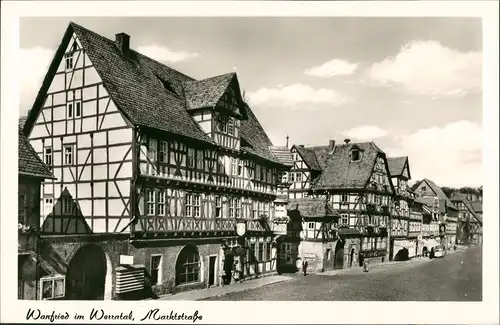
{"x": 152, "y": 150}
{"x": 155, "y": 269}
{"x": 68, "y": 155}
{"x": 189, "y": 205}
{"x": 151, "y": 202}
{"x": 423, "y": 189}
{"x": 48, "y": 156}
{"x": 22, "y": 208}
{"x": 238, "y": 208}
{"x": 268, "y": 251}
{"x": 69, "y": 61}
{"x": 230, "y": 126}
{"x": 190, "y": 158}
{"x": 197, "y": 205}
{"x": 52, "y": 287}
{"x": 218, "y": 207}
{"x": 240, "y": 167}
{"x": 232, "y": 205}
{"x": 292, "y": 177}
{"x": 78, "y": 109}
{"x": 345, "y": 219}
{"x": 163, "y": 151}
{"x": 310, "y": 225}
{"x": 199, "y": 159}
{"x": 161, "y": 203}
{"x": 299, "y": 177}
{"x": 67, "y": 204}
{"x": 48, "y": 205}
{"x": 263, "y": 173}
{"x": 251, "y": 252}
{"x": 187, "y": 268}
{"x": 261, "y": 208}
{"x": 254, "y": 209}
{"x": 260, "y": 253}
{"x": 355, "y": 155}
{"x": 345, "y": 198}
{"x": 284, "y": 177}
{"x": 234, "y": 166}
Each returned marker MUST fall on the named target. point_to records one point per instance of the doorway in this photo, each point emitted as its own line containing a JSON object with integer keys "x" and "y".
{"x": 339, "y": 256}
{"x": 351, "y": 258}
{"x": 211, "y": 270}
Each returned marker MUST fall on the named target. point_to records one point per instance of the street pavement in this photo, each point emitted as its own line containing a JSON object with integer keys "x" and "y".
{"x": 456, "y": 277}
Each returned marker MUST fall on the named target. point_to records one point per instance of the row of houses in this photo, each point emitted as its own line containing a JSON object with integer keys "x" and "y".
{"x": 350, "y": 203}
{"x": 137, "y": 180}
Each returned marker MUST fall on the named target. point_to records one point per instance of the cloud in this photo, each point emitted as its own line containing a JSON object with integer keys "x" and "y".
{"x": 450, "y": 155}
{"x": 430, "y": 69}
{"x": 33, "y": 65}
{"x": 332, "y": 68}
{"x": 163, "y": 54}
{"x": 365, "y": 132}
{"x": 294, "y": 94}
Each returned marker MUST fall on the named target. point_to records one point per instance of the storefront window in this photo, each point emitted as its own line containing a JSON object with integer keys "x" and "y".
{"x": 187, "y": 266}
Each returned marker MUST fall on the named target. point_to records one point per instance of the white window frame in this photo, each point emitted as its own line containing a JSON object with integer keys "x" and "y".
{"x": 344, "y": 198}
{"x": 344, "y": 219}
{"x": 150, "y": 201}
{"x": 52, "y": 279}
{"x": 163, "y": 152}
{"x": 232, "y": 206}
{"x": 241, "y": 167}
{"x": 218, "y": 205}
{"x": 46, "y": 205}
{"x": 66, "y": 205}
{"x": 311, "y": 226}
{"x": 162, "y": 194}
{"x": 159, "y": 279}
{"x": 48, "y": 155}
{"x": 298, "y": 177}
{"x": 68, "y": 60}
{"x": 69, "y": 155}
{"x": 189, "y": 205}
{"x": 197, "y": 205}
{"x": 152, "y": 149}
{"x": 237, "y": 211}
{"x": 191, "y": 158}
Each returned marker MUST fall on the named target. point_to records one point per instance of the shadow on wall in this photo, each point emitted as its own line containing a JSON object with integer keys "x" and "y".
{"x": 66, "y": 217}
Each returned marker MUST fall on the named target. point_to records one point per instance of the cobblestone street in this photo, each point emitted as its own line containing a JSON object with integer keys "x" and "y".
{"x": 456, "y": 277}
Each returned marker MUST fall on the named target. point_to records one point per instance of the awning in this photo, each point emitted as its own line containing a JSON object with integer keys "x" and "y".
{"x": 403, "y": 244}
{"x": 429, "y": 243}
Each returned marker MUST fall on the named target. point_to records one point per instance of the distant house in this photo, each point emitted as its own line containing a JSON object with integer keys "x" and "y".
{"x": 447, "y": 212}
{"x": 469, "y": 223}
{"x": 31, "y": 172}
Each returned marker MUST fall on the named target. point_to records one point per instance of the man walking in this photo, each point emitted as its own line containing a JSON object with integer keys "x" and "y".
{"x": 304, "y": 266}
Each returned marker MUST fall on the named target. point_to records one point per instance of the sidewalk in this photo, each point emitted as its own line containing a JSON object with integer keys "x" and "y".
{"x": 223, "y": 290}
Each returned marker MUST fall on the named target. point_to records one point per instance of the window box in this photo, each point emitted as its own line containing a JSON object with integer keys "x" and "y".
{"x": 52, "y": 287}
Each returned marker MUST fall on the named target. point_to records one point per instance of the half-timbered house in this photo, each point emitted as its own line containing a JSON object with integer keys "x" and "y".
{"x": 319, "y": 232}
{"x": 447, "y": 212}
{"x": 478, "y": 209}
{"x": 308, "y": 163}
{"x": 36, "y": 279}
{"x": 400, "y": 246}
{"x": 468, "y": 222}
{"x": 356, "y": 180}
{"x": 163, "y": 181}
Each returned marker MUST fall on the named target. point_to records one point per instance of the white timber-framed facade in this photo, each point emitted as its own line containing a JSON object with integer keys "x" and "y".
{"x": 153, "y": 172}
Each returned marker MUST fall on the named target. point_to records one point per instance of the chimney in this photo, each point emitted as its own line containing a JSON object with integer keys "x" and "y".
{"x": 347, "y": 141}
{"x": 301, "y": 145}
{"x": 122, "y": 41}
{"x": 331, "y": 146}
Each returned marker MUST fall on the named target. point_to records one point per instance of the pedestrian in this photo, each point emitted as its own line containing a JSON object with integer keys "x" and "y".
{"x": 304, "y": 266}
{"x": 365, "y": 265}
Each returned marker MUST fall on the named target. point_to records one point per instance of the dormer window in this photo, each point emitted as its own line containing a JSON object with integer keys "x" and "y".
{"x": 355, "y": 155}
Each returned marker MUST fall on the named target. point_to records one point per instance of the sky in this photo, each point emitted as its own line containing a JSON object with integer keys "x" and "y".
{"x": 411, "y": 85}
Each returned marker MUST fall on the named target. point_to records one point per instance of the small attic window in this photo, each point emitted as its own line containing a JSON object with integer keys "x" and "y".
{"x": 355, "y": 155}
{"x": 166, "y": 84}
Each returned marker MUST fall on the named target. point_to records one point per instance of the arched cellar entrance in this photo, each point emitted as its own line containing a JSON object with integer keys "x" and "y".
{"x": 86, "y": 274}
{"x": 339, "y": 255}
{"x": 188, "y": 266}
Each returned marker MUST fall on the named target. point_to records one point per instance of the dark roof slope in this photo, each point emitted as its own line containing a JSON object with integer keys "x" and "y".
{"x": 29, "y": 163}
{"x": 439, "y": 192}
{"x": 459, "y": 197}
{"x": 312, "y": 208}
{"x": 396, "y": 165}
{"x": 341, "y": 173}
{"x": 477, "y": 206}
{"x": 135, "y": 84}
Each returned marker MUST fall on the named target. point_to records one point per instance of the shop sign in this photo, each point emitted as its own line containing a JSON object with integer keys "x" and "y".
{"x": 241, "y": 228}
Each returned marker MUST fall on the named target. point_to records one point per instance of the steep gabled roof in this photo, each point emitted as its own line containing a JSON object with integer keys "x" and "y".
{"x": 438, "y": 191}
{"x": 396, "y": 165}
{"x": 312, "y": 208}
{"x": 314, "y": 157}
{"x": 460, "y": 197}
{"x": 207, "y": 92}
{"x": 342, "y": 173}
{"x": 283, "y": 154}
{"x": 254, "y": 139}
{"x": 153, "y": 95}
{"x": 29, "y": 164}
